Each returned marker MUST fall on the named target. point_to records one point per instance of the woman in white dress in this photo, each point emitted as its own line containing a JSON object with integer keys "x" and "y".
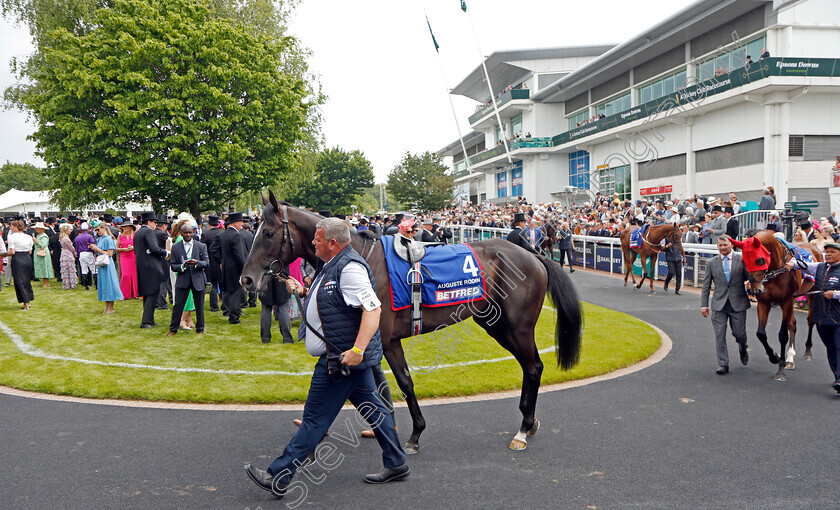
{"x": 20, "y": 248}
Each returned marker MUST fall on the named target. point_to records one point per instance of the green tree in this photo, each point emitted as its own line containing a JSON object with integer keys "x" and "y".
{"x": 23, "y": 176}
{"x": 186, "y": 102}
{"x": 422, "y": 180}
{"x": 336, "y": 179}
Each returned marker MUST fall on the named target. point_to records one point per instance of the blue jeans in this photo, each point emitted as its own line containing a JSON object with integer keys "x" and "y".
{"x": 325, "y": 399}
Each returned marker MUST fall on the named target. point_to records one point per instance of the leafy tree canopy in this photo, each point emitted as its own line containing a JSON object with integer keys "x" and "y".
{"x": 188, "y": 102}
{"x": 422, "y": 180}
{"x": 336, "y": 180}
{"x": 22, "y": 176}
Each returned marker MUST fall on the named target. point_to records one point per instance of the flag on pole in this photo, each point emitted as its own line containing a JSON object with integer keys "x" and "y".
{"x": 437, "y": 48}
{"x": 463, "y": 6}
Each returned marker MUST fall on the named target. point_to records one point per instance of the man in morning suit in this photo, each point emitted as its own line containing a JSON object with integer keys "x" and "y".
{"x": 233, "y": 261}
{"x": 162, "y": 234}
{"x": 148, "y": 255}
{"x": 213, "y": 240}
{"x": 249, "y": 299}
{"x": 731, "y": 223}
{"x": 730, "y": 301}
{"x": 518, "y": 236}
{"x": 189, "y": 259}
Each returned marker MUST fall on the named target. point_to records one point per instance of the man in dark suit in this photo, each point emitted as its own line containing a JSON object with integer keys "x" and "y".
{"x": 189, "y": 259}
{"x": 767, "y": 203}
{"x": 250, "y": 298}
{"x": 518, "y": 235}
{"x": 731, "y": 223}
{"x": 233, "y": 261}
{"x": 55, "y": 247}
{"x": 161, "y": 234}
{"x": 148, "y": 254}
{"x": 275, "y": 300}
{"x": 213, "y": 240}
{"x": 730, "y": 301}
{"x": 426, "y": 235}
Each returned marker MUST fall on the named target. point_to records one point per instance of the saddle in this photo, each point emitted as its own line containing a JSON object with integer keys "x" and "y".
{"x": 411, "y": 252}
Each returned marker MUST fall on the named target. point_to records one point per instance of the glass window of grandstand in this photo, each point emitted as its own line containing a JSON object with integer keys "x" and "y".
{"x": 501, "y": 184}
{"x": 500, "y": 135}
{"x": 516, "y": 125}
{"x": 728, "y": 61}
{"x": 579, "y": 169}
{"x": 577, "y": 119}
{"x": 661, "y": 87}
{"x": 516, "y": 180}
{"x": 616, "y": 180}
{"x": 613, "y": 106}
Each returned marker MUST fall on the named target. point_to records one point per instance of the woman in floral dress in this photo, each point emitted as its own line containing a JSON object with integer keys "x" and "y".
{"x": 67, "y": 261}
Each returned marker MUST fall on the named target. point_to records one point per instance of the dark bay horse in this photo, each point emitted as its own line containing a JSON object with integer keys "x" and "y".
{"x": 516, "y": 285}
{"x": 549, "y": 239}
{"x": 770, "y": 282}
{"x": 649, "y": 250}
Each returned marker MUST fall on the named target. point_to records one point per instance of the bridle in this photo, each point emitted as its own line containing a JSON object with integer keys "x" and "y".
{"x": 282, "y": 273}
{"x": 769, "y": 275}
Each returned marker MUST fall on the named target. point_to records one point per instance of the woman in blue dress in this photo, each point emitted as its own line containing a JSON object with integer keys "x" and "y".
{"x": 108, "y": 288}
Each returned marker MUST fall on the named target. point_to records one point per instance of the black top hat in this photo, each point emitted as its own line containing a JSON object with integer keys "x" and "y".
{"x": 729, "y": 210}
{"x": 773, "y": 227}
{"x": 717, "y": 208}
{"x": 144, "y": 218}
{"x": 51, "y": 219}
{"x": 162, "y": 219}
{"x": 107, "y": 218}
{"x": 325, "y": 214}
{"x": 213, "y": 220}
{"x": 234, "y": 217}
{"x": 517, "y": 217}
{"x": 398, "y": 217}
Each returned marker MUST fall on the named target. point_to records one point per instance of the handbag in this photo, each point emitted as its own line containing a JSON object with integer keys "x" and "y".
{"x": 102, "y": 260}
{"x": 41, "y": 253}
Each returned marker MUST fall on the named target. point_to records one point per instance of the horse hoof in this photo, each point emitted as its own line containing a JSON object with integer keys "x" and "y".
{"x": 652, "y": 291}
{"x": 774, "y": 359}
{"x": 411, "y": 448}
{"x": 516, "y": 444}
{"x": 625, "y": 284}
{"x": 534, "y": 428}
{"x": 808, "y": 356}
{"x": 790, "y": 365}
{"x": 780, "y": 377}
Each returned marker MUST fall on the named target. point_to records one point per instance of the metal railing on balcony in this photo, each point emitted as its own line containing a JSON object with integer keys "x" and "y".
{"x": 519, "y": 143}
{"x": 505, "y": 98}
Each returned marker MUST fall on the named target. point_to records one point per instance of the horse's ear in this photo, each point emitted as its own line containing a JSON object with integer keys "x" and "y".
{"x": 273, "y": 200}
{"x": 756, "y": 243}
{"x": 264, "y": 200}
{"x": 736, "y": 243}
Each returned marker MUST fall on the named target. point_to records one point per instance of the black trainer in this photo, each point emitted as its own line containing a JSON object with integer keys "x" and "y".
{"x": 389, "y": 475}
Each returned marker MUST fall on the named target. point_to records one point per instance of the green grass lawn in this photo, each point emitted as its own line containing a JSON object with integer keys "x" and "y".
{"x": 71, "y": 324}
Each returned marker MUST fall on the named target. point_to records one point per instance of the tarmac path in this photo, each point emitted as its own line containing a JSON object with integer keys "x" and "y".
{"x": 673, "y": 435}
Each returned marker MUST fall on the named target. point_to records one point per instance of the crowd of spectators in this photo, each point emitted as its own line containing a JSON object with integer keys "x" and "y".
{"x": 591, "y": 120}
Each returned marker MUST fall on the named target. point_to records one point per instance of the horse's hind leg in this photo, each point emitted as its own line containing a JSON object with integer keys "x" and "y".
{"x": 520, "y": 343}
{"x": 761, "y": 332}
{"x": 396, "y": 359}
{"x": 790, "y": 364}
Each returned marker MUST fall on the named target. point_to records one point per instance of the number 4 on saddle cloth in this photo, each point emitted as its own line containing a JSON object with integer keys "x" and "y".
{"x": 637, "y": 234}
{"x": 451, "y": 274}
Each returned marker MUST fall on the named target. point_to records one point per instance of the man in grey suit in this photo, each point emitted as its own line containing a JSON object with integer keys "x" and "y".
{"x": 189, "y": 259}
{"x": 730, "y": 301}
{"x": 718, "y": 225}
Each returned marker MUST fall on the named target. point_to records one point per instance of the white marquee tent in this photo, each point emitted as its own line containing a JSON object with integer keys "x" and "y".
{"x": 38, "y": 203}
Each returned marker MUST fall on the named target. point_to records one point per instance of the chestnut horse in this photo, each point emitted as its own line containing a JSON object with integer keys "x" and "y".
{"x": 770, "y": 282}
{"x": 548, "y": 240}
{"x": 516, "y": 285}
{"x": 649, "y": 250}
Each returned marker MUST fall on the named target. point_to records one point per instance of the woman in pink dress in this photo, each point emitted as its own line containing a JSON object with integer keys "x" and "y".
{"x": 125, "y": 247}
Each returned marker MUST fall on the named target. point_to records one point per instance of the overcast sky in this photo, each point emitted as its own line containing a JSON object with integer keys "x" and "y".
{"x": 377, "y": 64}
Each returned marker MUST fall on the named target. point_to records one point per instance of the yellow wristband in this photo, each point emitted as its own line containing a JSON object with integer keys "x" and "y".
{"x": 358, "y": 351}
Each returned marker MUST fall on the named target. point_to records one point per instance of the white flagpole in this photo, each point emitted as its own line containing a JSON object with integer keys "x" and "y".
{"x": 490, "y": 88}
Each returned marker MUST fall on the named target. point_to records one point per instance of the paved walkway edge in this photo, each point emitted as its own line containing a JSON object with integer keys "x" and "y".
{"x": 664, "y": 348}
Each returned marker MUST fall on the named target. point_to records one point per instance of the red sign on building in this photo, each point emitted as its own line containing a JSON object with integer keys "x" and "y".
{"x": 657, "y": 190}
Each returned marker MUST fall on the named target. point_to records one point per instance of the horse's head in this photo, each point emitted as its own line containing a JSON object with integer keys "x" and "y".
{"x": 756, "y": 258}
{"x": 273, "y": 247}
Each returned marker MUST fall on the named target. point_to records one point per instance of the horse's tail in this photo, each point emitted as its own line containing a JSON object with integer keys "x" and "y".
{"x": 569, "y": 326}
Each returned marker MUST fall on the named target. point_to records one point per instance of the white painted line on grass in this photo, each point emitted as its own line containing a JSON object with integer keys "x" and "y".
{"x": 664, "y": 348}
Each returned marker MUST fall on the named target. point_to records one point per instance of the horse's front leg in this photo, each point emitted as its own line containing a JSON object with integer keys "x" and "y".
{"x": 786, "y": 331}
{"x": 644, "y": 272}
{"x": 761, "y": 332}
{"x": 396, "y": 359}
